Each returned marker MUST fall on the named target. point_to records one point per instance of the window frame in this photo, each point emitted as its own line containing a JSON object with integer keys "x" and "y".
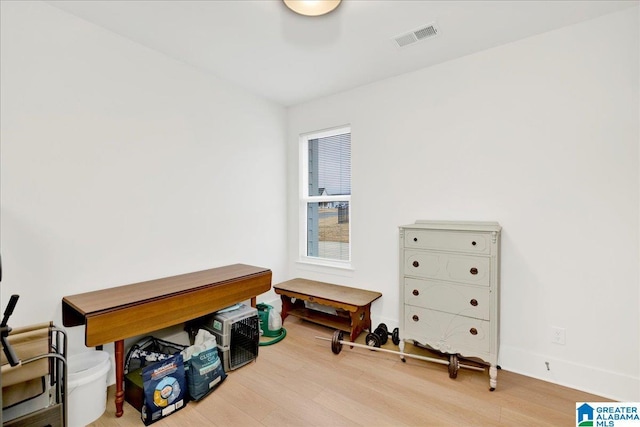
{"x": 305, "y": 199}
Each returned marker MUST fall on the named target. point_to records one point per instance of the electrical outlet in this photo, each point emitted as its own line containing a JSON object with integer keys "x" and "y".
{"x": 558, "y": 335}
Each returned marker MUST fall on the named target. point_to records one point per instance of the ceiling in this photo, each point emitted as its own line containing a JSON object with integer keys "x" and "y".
{"x": 289, "y": 59}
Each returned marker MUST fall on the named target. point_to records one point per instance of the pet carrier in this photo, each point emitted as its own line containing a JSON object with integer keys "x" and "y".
{"x": 237, "y": 335}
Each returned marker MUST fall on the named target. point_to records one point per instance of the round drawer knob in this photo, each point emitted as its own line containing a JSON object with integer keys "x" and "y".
{"x": 473, "y": 302}
{"x": 473, "y": 243}
{"x": 473, "y": 271}
{"x": 415, "y": 239}
{"x": 416, "y": 292}
{"x": 416, "y": 264}
{"x": 473, "y": 331}
{"x": 415, "y": 318}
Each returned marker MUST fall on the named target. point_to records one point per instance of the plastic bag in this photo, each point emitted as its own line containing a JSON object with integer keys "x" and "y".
{"x": 275, "y": 321}
{"x": 148, "y": 351}
{"x": 164, "y": 389}
{"x": 203, "y": 367}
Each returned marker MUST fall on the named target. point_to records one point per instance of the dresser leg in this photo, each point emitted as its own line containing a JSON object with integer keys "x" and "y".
{"x": 493, "y": 377}
{"x": 119, "y": 356}
{"x": 401, "y": 347}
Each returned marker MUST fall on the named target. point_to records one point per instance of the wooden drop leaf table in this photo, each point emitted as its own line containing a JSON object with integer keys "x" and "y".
{"x": 111, "y": 315}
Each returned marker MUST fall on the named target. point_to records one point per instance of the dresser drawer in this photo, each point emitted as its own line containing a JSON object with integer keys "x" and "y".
{"x": 471, "y": 301}
{"x": 443, "y": 266}
{"x": 475, "y": 243}
{"x": 447, "y": 332}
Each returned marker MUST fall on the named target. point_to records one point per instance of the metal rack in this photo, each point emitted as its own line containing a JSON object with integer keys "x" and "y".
{"x": 34, "y": 371}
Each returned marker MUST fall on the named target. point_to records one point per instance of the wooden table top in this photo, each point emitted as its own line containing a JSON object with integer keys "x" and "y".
{"x": 136, "y": 293}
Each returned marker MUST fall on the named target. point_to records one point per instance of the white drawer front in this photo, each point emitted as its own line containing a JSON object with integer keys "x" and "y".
{"x": 456, "y": 299}
{"x": 457, "y": 268}
{"x": 447, "y": 332}
{"x": 478, "y": 243}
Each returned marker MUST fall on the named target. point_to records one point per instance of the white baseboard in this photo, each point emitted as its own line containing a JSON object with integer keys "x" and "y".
{"x": 608, "y": 384}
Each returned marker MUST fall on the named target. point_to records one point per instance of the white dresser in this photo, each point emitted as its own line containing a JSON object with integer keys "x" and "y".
{"x": 449, "y": 290}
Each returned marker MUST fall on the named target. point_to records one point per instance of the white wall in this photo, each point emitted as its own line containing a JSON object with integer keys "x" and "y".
{"x": 121, "y": 165}
{"x": 540, "y": 135}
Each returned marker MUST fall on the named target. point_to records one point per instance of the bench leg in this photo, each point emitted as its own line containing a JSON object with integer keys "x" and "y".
{"x": 286, "y": 306}
{"x": 360, "y": 320}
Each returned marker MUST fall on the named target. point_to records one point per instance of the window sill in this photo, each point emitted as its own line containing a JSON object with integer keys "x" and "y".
{"x": 322, "y": 265}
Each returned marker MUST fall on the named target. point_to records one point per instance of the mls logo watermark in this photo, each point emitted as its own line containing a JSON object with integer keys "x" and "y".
{"x": 607, "y": 414}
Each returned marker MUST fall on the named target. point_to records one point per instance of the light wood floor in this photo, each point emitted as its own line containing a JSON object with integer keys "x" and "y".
{"x": 300, "y": 382}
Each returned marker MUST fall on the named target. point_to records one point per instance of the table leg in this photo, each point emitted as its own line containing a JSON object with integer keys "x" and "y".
{"x": 119, "y": 355}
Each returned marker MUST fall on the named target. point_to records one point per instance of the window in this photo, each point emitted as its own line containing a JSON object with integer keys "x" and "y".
{"x": 326, "y": 196}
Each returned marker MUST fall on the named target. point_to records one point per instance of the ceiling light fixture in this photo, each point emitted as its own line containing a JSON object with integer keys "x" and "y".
{"x": 312, "y": 7}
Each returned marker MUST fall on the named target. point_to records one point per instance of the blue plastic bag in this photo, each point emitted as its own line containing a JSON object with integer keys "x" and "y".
{"x": 164, "y": 389}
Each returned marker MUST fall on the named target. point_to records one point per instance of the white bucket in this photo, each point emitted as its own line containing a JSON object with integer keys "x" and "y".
{"x": 87, "y": 387}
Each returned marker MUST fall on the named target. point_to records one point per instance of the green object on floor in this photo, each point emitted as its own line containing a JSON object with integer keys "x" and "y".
{"x": 270, "y": 324}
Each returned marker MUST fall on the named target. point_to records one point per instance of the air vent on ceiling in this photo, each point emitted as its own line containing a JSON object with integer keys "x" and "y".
{"x": 422, "y": 33}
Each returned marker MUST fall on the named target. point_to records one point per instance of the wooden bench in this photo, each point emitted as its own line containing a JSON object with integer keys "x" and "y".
{"x": 353, "y": 306}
